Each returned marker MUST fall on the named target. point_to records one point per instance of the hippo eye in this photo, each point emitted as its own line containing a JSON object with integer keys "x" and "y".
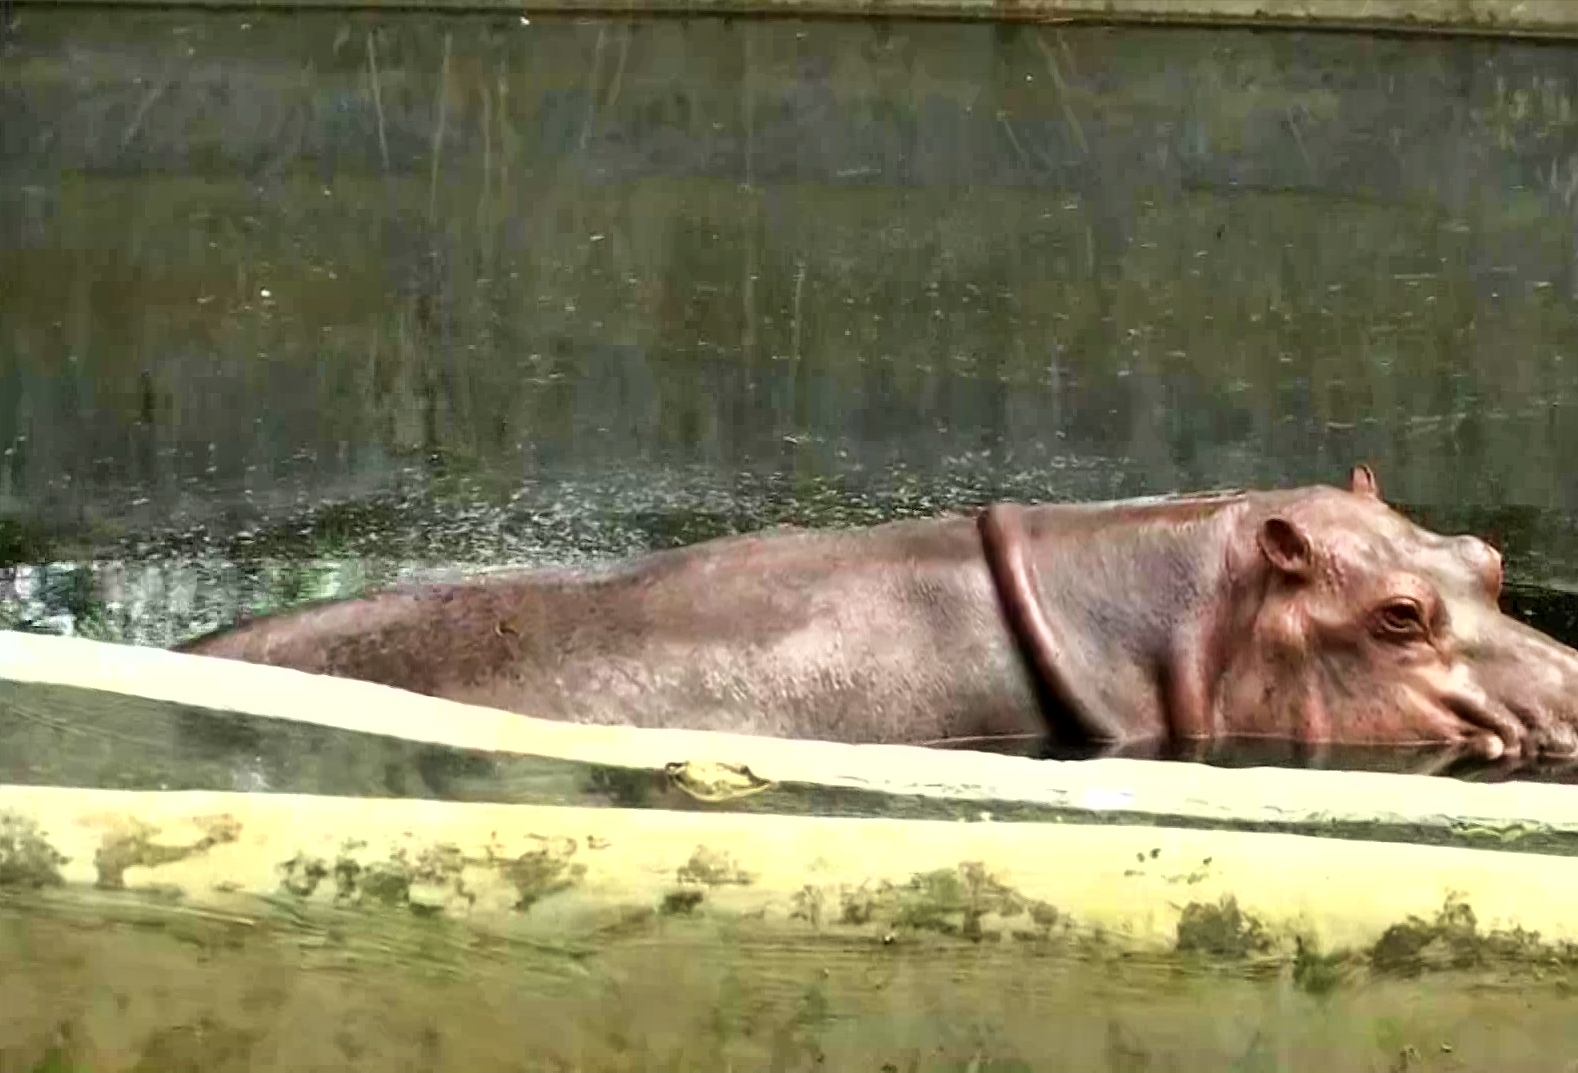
{"x": 1401, "y": 618}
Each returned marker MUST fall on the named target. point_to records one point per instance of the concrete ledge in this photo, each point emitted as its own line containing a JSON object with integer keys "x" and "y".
{"x": 1512, "y": 18}
{"x": 91, "y": 715}
{"x": 235, "y": 931}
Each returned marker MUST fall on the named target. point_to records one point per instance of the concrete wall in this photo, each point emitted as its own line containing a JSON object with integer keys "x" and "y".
{"x": 257, "y": 258}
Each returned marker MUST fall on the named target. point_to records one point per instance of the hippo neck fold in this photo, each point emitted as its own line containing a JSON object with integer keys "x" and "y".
{"x": 1118, "y": 612}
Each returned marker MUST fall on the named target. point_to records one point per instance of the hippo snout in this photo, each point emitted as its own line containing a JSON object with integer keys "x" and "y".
{"x": 1535, "y": 677}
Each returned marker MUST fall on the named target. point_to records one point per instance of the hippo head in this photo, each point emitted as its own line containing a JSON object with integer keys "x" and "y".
{"x": 1370, "y": 630}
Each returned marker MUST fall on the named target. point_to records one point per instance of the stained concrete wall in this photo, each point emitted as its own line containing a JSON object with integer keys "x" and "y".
{"x": 259, "y": 258}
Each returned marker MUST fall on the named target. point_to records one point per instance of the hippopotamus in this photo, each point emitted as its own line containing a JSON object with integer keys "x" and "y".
{"x": 1318, "y": 616}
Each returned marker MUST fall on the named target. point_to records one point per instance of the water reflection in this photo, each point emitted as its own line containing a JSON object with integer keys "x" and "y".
{"x": 1439, "y": 760}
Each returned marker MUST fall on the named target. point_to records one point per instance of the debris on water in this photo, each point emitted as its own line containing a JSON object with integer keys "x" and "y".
{"x": 197, "y": 574}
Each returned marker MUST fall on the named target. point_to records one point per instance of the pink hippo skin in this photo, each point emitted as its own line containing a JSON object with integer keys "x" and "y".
{"x": 1316, "y": 618}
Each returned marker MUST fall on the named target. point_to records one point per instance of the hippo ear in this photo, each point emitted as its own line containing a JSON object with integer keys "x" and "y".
{"x": 1286, "y": 547}
{"x": 1362, "y": 482}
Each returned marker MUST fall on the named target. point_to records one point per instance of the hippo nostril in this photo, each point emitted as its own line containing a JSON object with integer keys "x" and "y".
{"x": 1488, "y": 747}
{"x": 1508, "y": 728}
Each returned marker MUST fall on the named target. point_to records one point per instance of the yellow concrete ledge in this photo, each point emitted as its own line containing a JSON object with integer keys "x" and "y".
{"x": 554, "y": 875}
{"x": 1557, "y": 18}
{"x": 234, "y": 931}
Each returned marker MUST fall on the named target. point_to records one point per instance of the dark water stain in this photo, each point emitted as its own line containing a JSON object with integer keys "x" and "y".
{"x": 137, "y": 845}
{"x": 27, "y": 859}
{"x": 681, "y": 902}
{"x": 1220, "y": 930}
{"x": 713, "y": 868}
